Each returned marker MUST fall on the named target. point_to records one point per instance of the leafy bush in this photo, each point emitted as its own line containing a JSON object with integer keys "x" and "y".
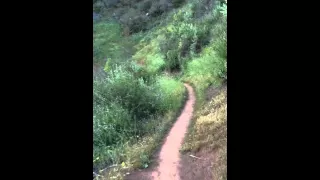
{"x": 172, "y": 92}
{"x": 130, "y": 92}
{"x": 127, "y": 107}
{"x": 175, "y": 46}
{"x": 185, "y": 37}
{"x": 110, "y": 123}
{"x": 149, "y": 56}
{"x": 122, "y": 103}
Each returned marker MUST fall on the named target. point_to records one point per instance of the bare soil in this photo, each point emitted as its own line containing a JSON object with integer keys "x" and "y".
{"x": 194, "y": 168}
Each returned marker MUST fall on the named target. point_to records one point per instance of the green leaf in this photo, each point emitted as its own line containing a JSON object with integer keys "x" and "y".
{"x": 145, "y": 165}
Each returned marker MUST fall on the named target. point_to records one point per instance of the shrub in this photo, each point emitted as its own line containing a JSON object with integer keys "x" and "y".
{"x": 126, "y": 106}
{"x": 131, "y": 92}
{"x": 122, "y": 105}
{"x": 172, "y": 92}
{"x": 149, "y": 56}
{"x": 209, "y": 68}
{"x": 109, "y": 124}
{"x": 185, "y": 37}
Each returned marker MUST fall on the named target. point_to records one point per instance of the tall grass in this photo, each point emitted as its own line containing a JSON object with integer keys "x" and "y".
{"x": 127, "y": 108}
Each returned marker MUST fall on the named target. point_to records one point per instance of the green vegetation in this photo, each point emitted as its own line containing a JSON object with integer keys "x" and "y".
{"x": 109, "y": 44}
{"x": 209, "y": 67}
{"x": 147, "y": 48}
{"x": 208, "y": 130}
{"x": 126, "y": 108}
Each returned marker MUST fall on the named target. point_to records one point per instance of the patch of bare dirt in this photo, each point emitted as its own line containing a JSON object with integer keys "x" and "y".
{"x": 193, "y": 168}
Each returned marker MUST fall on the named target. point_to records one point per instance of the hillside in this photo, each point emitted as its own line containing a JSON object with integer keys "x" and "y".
{"x": 144, "y": 52}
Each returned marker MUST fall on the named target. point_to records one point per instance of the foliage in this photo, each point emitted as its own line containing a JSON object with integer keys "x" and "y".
{"x": 137, "y": 43}
{"x": 109, "y": 44}
{"x": 172, "y": 92}
{"x": 210, "y": 67}
{"x": 185, "y": 36}
{"x": 127, "y": 107}
{"x": 149, "y": 56}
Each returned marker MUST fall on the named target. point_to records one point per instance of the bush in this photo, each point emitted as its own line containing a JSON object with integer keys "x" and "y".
{"x": 122, "y": 105}
{"x": 172, "y": 92}
{"x": 209, "y": 68}
{"x": 185, "y": 37}
{"x": 110, "y": 123}
{"x": 149, "y": 57}
{"x": 132, "y": 93}
{"x": 127, "y": 107}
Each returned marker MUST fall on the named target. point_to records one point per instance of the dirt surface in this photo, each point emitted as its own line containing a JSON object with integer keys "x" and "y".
{"x": 168, "y": 163}
{"x": 194, "y": 168}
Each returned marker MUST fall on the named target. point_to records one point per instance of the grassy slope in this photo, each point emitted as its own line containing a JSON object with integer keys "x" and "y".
{"x": 109, "y": 43}
{"x": 209, "y": 127}
{"x": 136, "y": 152}
{"x": 208, "y": 130}
{"x": 201, "y": 70}
{"x": 208, "y": 133}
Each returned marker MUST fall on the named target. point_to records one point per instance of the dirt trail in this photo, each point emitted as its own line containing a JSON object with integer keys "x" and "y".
{"x": 169, "y": 157}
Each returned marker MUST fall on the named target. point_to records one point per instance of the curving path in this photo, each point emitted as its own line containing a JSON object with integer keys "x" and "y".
{"x": 169, "y": 157}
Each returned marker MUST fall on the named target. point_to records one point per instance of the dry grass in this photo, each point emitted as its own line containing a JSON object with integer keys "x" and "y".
{"x": 209, "y": 133}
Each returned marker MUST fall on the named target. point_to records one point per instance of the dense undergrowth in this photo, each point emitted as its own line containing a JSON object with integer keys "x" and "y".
{"x": 147, "y": 49}
{"x": 191, "y": 42}
{"x": 126, "y": 108}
